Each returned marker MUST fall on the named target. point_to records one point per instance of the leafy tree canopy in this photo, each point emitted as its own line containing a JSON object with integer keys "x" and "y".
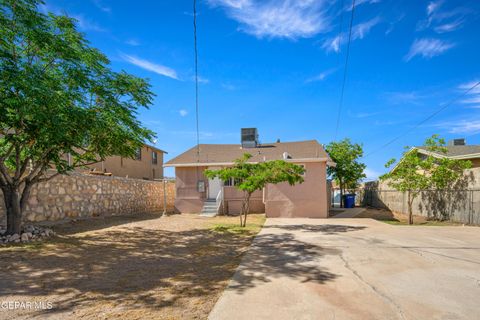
{"x": 255, "y": 176}
{"x": 59, "y": 96}
{"x": 348, "y": 170}
{"x": 416, "y": 171}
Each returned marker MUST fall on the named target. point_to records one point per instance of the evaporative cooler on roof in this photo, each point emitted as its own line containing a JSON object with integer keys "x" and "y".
{"x": 249, "y": 137}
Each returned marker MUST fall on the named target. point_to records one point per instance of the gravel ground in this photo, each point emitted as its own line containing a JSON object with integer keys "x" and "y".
{"x": 141, "y": 267}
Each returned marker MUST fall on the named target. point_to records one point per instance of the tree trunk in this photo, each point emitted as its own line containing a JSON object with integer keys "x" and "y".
{"x": 247, "y": 209}
{"x": 241, "y": 213}
{"x": 410, "y": 210}
{"x": 341, "y": 194}
{"x": 14, "y": 210}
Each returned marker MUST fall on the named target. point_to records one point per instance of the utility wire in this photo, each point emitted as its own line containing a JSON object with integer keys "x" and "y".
{"x": 446, "y": 105}
{"x": 340, "y": 31}
{"x": 196, "y": 75}
{"x": 345, "y": 71}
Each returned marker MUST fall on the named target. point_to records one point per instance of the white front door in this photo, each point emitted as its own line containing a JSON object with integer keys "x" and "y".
{"x": 214, "y": 187}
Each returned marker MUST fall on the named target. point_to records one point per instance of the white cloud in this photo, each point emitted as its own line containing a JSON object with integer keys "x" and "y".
{"x": 449, "y": 27}
{"x": 321, "y": 76}
{"x": 201, "y": 80}
{"x": 132, "y": 42}
{"x": 183, "y": 112}
{"x": 332, "y": 44}
{"x": 228, "y": 86}
{"x": 404, "y": 97}
{"x": 428, "y": 48}
{"x": 472, "y": 99}
{"x": 359, "y": 31}
{"x": 83, "y": 23}
{"x": 442, "y": 21}
{"x": 348, "y": 6}
{"x": 290, "y": 19}
{"x": 204, "y": 135}
{"x": 362, "y": 115}
{"x": 99, "y": 4}
{"x": 371, "y": 174}
{"x": 461, "y": 127}
{"x": 150, "y": 66}
{"x": 433, "y": 6}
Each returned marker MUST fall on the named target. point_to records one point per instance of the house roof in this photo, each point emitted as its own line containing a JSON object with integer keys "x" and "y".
{"x": 456, "y": 152}
{"x": 155, "y": 148}
{"x": 224, "y": 154}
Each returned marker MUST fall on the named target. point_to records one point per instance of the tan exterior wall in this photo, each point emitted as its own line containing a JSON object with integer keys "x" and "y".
{"x": 131, "y": 168}
{"x": 308, "y": 199}
{"x": 234, "y": 198}
{"x": 84, "y": 196}
{"x": 188, "y": 199}
{"x": 475, "y": 163}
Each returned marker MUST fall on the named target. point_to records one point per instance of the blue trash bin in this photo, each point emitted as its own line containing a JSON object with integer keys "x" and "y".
{"x": 349, "y": 200}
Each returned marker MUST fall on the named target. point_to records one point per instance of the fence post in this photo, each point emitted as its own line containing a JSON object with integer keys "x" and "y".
{"x": 164, "y": 197}
{"x": 472, "y": 213}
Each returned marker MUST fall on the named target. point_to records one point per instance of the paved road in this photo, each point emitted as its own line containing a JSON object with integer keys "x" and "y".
{"x": 356, "y": 269}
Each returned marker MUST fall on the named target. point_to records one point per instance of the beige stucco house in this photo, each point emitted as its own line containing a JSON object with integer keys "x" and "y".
{"x": 147, "y": 164}
{"x": 196, "y": 193}
{"x": 457, "y": 149}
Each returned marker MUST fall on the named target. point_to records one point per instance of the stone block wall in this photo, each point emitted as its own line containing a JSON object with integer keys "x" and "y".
{"x": 82, "y": 196}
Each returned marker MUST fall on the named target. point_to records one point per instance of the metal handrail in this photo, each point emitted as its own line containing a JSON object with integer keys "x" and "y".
{"x": 219, "y": 199}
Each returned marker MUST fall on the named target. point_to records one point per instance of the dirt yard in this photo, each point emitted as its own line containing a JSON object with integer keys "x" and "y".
{"x": 142, "y": 267}
{"x": 390, "y": 217}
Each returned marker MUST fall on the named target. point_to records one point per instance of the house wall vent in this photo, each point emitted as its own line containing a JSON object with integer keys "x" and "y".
{"x": 249, "y": 137}
{"x": 457, "y": 142}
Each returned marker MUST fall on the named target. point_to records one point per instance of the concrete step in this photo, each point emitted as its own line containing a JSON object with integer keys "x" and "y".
{"x": 209, "y": 208}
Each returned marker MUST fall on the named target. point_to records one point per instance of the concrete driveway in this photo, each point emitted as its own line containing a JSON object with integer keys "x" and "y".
{"x": 355, "y": 269}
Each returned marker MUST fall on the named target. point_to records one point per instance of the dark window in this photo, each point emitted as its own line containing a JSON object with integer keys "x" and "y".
{"x": 138, "y": 154}
{"x": 232, "y": 182}
{"x": 154, "y": 157}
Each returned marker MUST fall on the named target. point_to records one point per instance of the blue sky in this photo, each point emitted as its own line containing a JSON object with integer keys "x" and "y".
{"x": 278, "y": 65}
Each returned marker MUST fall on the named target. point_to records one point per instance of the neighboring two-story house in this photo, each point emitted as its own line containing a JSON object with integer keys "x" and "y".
{"x": 147, "y": 165}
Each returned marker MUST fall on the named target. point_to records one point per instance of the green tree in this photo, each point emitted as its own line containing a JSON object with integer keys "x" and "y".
{"x": 348, "y": 170}
{"x": 58, "y": 96}
{"x": 255, "y": 176}
{"x": 416, "y": 172}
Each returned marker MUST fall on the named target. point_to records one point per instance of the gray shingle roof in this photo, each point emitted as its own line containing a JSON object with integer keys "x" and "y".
{"x": 459, "y": 151}
{"x": 226, "y": 153}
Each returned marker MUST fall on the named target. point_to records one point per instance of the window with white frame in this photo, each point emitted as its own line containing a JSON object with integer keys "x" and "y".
{"x": 154, "y": 157}
{"x": 231, "y": 182}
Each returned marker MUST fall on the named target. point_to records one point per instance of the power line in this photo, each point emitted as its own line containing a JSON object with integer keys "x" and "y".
{"x": 341, "y": 30}
{"x": 446, "y": 105}
{"x": 196, "y": 75}
{"x": 345, "y": 71}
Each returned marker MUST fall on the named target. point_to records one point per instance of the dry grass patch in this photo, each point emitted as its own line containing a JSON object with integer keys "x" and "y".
{"x": 141, "y": 267}
{"x": 396, "y": 218}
